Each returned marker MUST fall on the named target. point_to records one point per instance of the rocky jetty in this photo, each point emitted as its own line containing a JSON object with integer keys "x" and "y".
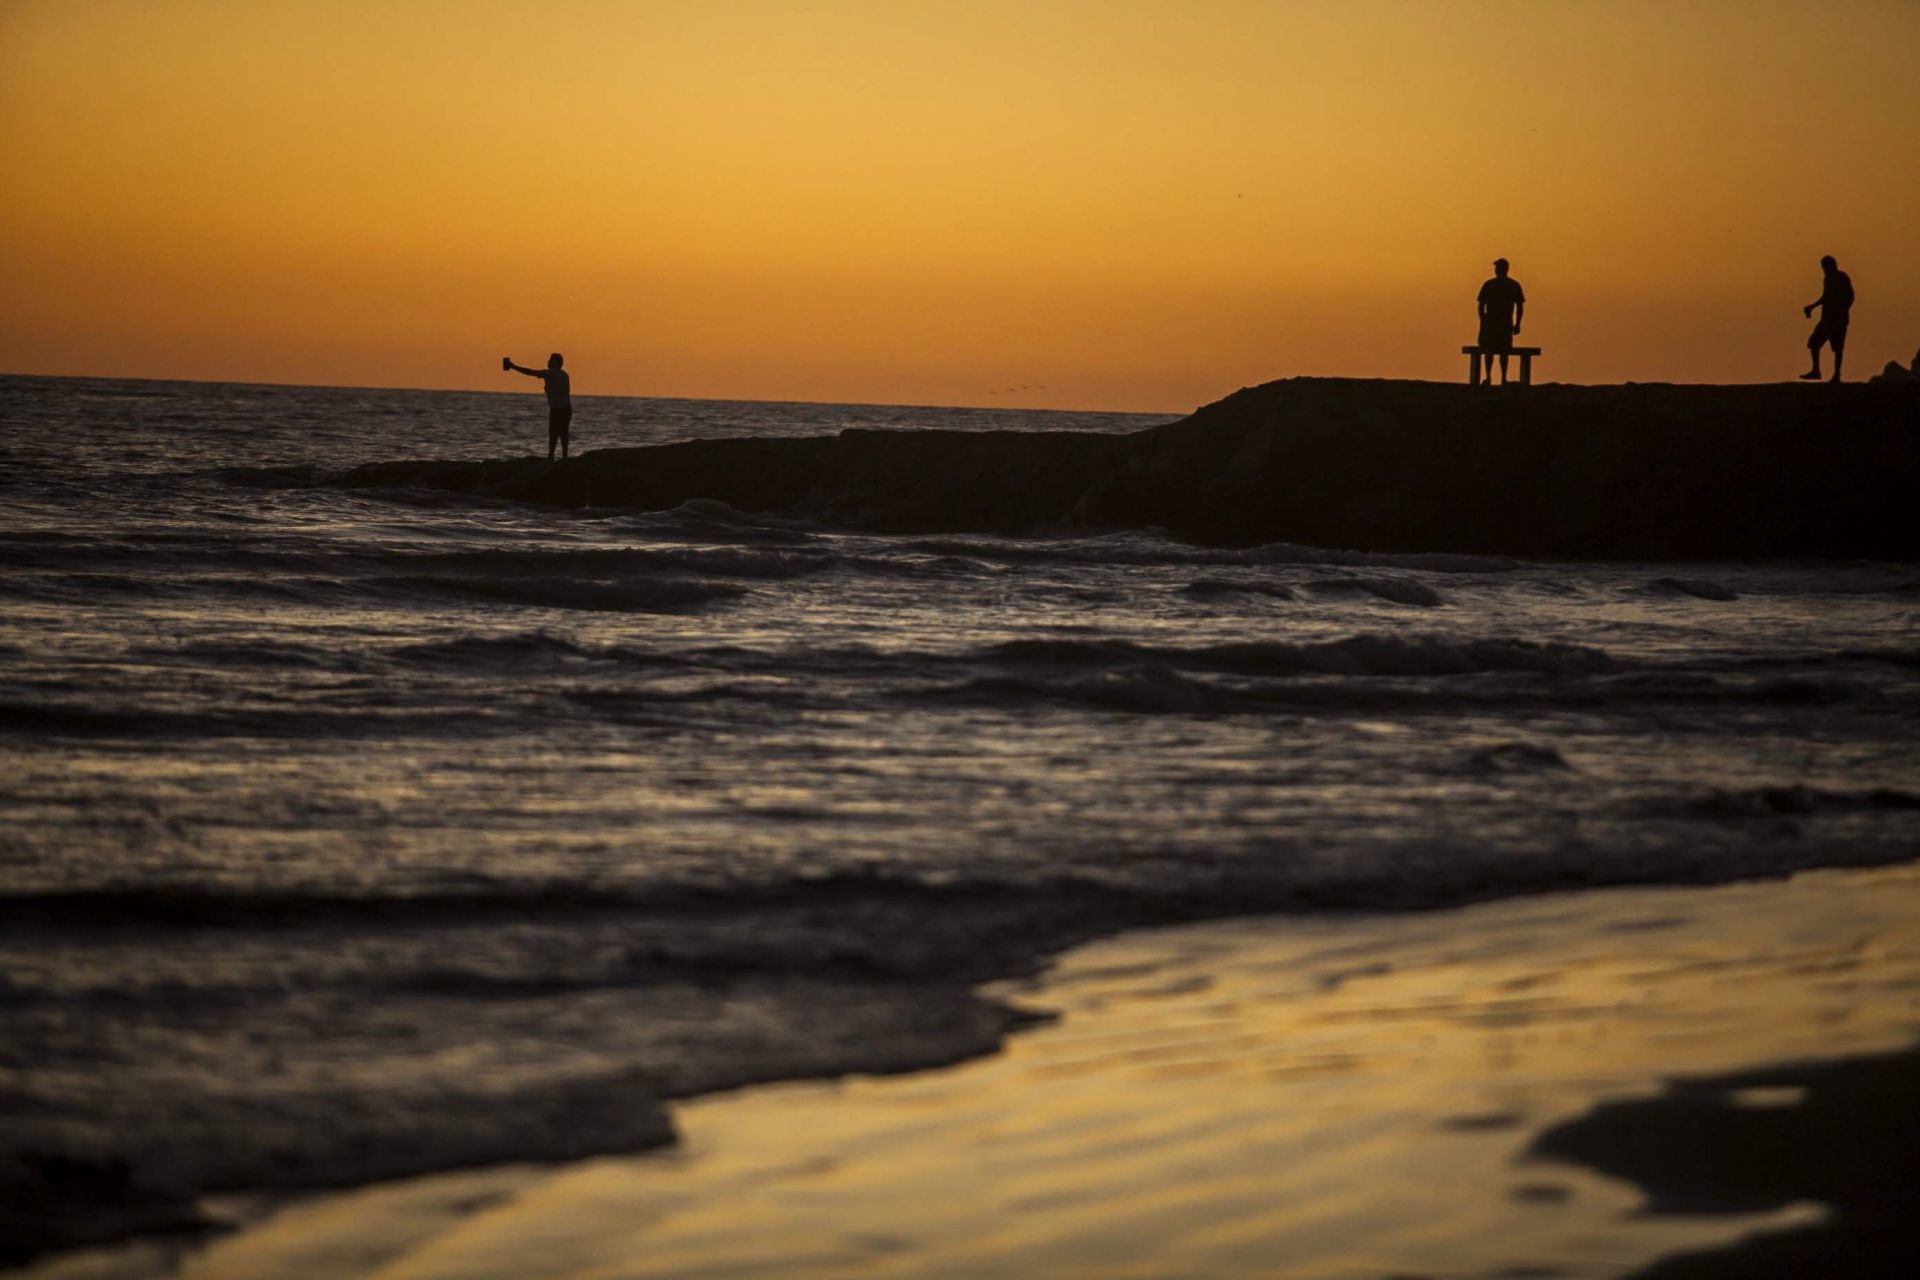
{"x": 1641, "y": 471}
{"x": 1894, "y": 371}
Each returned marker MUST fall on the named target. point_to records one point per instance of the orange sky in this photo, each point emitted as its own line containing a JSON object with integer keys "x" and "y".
{"x": 1111, "y": 204}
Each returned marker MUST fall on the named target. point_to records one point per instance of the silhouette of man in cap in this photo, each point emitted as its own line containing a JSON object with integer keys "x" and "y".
{"x": 1836, "y": 309}
{"x": 559, "y": 399}
{"x": 1502, "y": 303}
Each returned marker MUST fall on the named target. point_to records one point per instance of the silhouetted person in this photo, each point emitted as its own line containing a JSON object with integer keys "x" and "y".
{"x": 559, "y": 399}
{"x": 1502, "y": 303}
{"x": 1836, "y": 308}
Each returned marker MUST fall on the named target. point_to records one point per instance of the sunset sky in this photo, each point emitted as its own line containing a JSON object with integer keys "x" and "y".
{"x": 1082, "y": 203}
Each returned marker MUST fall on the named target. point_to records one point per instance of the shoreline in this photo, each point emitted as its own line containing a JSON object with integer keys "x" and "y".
{"x": 1151, "y": 977}
{"x": 833, "y": 1011}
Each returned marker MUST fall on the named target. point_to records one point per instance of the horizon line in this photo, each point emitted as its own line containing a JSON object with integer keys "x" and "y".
{"x": 886, "y": 404}
{"x": 475, "y": 391}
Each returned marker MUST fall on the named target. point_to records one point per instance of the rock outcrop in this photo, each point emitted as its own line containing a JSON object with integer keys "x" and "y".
{"x": 1641, "y": 471}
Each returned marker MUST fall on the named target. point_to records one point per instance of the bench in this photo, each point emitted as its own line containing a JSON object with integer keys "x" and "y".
{"x": 1473, "y": 355}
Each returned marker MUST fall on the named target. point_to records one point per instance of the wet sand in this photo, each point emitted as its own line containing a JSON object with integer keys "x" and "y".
{"x": 1417, "y": 1095}
{"x": 1844, "y": 1134}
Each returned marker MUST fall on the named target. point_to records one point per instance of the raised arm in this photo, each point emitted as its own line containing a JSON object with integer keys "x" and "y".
{"x": 506, "y": 362}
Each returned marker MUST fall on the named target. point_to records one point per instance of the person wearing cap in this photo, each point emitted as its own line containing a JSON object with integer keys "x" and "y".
{"x": 559, "y": 399}
{"x": 1502, "y": 303}
{"x": 1836, "y": 309}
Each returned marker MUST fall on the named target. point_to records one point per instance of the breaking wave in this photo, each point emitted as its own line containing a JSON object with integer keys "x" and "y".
{"x": 1358, "y": 655}
{"x": 631, "y": 596}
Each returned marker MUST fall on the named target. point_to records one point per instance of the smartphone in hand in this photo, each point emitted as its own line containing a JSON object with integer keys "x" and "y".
{"x": 506, "y": 364}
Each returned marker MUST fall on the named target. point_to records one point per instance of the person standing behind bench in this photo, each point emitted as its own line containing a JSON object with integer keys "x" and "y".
{"x": 1502, "y": 303}
{"x": 1836, "y": 309}
{"x": 559, "y": 399}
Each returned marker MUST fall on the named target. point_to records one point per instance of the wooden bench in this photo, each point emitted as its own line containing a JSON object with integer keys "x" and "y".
{"x": 1473, "y": 355}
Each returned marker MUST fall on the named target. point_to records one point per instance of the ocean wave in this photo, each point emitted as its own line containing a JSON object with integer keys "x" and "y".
{"x": 78, "y": 569}
{"x": 1357, "y": 655}
{"x": 1514, "y": 757}
{"x": 1892, "y": 657}
{"x": 1394, "y": 590}
{"x": 932, "y": 568}
{"x": 71, "y": 719}
{"x": 1160, "y": 688}
{"x": 160, "y": 578}
{"x": 619, "y": 563}
{"x": 1228, "y": 588}
{"x": 65, "y": 719}
{"x": 1155, "y": 688}
{"x": 480, "y": 899}
{"x": 642, "y": 706}
{"x": 282, "y": 477}
{"x": 630, "y": 596}
{"x": 903, "y": 923}
{"x": 249, "y": 652}
{"x": 514, "y": 650}
{"x": 56, "y": 1178}
{"x": 160, "y": 564}
{"x": 705, "y": 519}
{"x": 190, "y": 906}
{"x": 1696, "y": 588}
{"x": 1282, "y": 553}
{"x": 1128, "y": 549}
{"x": 1783, "y": 801}
{"x": 1824, "y": 659}
{"x": 63, "y": 587}
{"x": 1810, "y": 690}
{"x": 151, "y": 557}
{"x": 144, "y": 994}
{"x": 888, "y": 924}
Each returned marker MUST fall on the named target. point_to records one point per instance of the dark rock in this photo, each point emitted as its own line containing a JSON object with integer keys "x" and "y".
{"x": 1640, "y": 472}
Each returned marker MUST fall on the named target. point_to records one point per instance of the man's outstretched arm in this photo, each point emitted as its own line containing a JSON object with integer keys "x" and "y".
{"x": 507, "y": 363}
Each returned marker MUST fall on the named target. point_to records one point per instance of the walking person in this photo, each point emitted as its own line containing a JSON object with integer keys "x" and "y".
{"x": 559, "y": 399}
{"x": 1836, "y": 309}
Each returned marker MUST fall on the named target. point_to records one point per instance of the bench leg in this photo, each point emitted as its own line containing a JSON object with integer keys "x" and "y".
{"x": 1526, "y": 371}
{"x": 1473, "y": 369}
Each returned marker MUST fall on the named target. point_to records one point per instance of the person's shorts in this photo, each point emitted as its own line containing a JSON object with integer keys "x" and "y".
{"x": 1496, "y": 336}
{"x": 559, "y": 417}
{"x": 1831, "y": 332}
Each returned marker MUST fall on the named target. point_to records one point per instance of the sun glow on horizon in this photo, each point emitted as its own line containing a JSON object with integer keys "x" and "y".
{"x": 1090, "y": 205}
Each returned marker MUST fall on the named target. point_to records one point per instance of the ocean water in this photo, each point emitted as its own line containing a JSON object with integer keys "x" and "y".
{"x": 350, "y": 833}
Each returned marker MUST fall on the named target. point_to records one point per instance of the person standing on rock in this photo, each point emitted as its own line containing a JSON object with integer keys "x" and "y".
{"x": 1836, "y": 309}
{"x": 1502, "y": 303}
{"x": 559, "y": 399}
